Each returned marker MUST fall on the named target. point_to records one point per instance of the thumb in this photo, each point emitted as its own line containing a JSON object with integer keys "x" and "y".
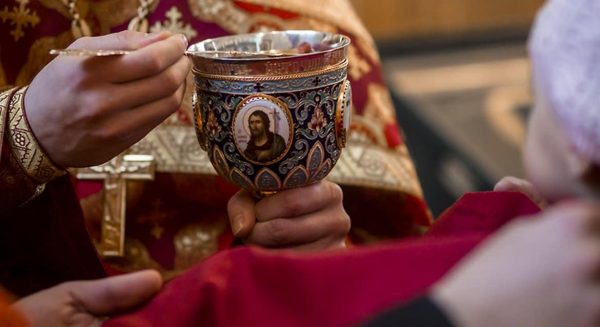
{"x": 110, "y": 295}
{"x": 240, "y": 209}
{"x": 124, "y": 40}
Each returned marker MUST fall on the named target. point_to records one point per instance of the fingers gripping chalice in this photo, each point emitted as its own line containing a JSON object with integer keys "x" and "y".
{"x": 272, "y": 109}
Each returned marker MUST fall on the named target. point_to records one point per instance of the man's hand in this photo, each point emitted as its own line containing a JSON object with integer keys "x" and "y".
{"x": 307, "y": 218}
{"x": 84, "y": 111}
{"x": 535, "y": 272}
{"x": 88, "y": 303}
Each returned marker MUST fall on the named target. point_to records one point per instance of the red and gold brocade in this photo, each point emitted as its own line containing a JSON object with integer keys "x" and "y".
{"x": 180, "y": 218}
{"x": 24, "y": 166}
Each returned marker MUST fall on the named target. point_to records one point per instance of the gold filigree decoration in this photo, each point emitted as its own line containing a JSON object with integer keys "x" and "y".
{"x": 19, "y": 17}
{"x": 174, "y": 24}
{"x": 358, "y": 65}
{"x": 379, "y": 105}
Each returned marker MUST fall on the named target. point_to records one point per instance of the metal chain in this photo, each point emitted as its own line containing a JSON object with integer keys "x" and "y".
{"x": 79, "y": 26}
{"x": 144, "y": 7}
{"x": 140, "y": 23}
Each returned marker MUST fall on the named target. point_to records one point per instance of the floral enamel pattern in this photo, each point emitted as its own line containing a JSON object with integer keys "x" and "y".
{"x": 318, "y": 120}
{"x": 212, "y": 125}
{"x": 301, "y": 145}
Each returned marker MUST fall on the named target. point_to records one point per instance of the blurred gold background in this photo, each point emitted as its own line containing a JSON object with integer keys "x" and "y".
{"x": 409, "y": 19}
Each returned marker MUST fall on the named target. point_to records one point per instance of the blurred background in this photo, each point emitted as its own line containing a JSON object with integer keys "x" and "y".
{"x": 459, "y": 77}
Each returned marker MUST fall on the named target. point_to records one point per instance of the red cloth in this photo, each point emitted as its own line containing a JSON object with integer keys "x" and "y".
{"x": 253, "y": 287}
{"x": 482, "y": 212}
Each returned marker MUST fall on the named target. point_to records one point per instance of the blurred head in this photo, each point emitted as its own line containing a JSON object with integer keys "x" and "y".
{"x": 562, "y": 151}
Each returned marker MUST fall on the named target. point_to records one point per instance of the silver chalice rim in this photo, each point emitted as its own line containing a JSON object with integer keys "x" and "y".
{"x": 267, "y": 46}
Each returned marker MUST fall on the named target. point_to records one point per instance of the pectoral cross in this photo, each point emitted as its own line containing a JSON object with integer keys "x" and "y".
{"x": 115, "y": 174}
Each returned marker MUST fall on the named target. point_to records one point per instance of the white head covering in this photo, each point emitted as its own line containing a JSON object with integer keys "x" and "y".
{"x": 565, "y": 52}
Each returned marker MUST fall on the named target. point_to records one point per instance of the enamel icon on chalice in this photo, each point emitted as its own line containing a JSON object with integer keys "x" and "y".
{"x": 272, "y": 109}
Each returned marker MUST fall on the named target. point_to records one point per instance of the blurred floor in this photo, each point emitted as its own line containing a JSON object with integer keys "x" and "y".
{"x": 463, "y": 112}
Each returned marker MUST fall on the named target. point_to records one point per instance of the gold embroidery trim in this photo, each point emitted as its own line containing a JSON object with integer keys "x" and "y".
{"x": 15, "y": 187}
{"x": 25, "y": 148}
{"x": 4, "y": 101}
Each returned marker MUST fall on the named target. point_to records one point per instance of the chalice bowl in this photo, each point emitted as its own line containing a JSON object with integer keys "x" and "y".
{"x": 272, "y": 109}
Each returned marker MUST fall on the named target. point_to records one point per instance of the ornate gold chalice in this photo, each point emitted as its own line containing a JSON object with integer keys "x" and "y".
{"x": 272, "y": 109}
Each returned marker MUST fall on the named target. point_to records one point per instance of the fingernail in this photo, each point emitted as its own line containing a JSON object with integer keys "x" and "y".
{"x": 184, "y": 39}
{"x": 237, "y": 225}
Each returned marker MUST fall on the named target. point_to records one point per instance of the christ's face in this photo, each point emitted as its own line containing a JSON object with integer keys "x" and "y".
{"x": 257, "y": 126}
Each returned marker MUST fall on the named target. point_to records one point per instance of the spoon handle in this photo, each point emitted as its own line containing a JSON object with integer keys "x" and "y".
{"x": 217, "y": 53}
{"x": 88, "y": 53}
